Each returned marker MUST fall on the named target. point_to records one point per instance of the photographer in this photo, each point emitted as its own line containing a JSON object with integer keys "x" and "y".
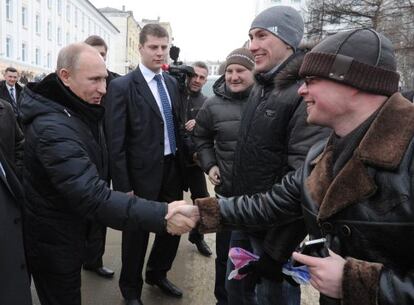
{"x": 191, "y": 101}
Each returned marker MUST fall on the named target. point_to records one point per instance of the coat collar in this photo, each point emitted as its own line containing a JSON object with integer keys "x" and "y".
{"x": 383, "y": 146}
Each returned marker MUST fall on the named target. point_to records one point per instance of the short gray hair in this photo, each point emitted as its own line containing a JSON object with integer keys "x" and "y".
{"x": 68, "y": 57}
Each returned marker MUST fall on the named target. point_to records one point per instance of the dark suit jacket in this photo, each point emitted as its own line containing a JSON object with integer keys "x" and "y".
{"x": 11, "y": 136}
{"x": 135, "y": 133}
{"x": 14, "y": 279}
{"x": 4, "y": 92}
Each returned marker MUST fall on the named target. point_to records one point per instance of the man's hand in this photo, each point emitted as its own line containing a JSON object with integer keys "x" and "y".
{"x": 214, "y": 175}
{"x": 187, "y": 210}
{"x": 189, "y": 126}
{"x": 130, "y": 193}
{"x": 326, "y": 273}
{"x": 181, "y": 217}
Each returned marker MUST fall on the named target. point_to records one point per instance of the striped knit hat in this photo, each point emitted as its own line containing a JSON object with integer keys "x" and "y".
{"x": 241, "y": 56}
{"x": 360, "y": 58}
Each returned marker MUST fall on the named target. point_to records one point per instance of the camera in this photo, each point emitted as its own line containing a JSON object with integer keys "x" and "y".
{"x": 177, "y": 70}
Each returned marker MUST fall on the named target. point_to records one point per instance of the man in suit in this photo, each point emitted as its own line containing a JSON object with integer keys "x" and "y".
{"x": 9, "y": 88}
{"x": 14, "y": 280}
{"x": 95, "y": 243}
{"x": 144, "y": 147}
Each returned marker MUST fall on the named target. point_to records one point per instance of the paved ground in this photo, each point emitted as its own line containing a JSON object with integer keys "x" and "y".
{"x": 191, "y": 272}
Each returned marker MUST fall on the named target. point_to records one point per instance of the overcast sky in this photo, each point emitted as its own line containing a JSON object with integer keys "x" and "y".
{"x": 202, "y": 29}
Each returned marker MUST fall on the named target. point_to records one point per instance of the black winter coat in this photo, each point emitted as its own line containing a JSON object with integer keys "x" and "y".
{"x": 65, "y": 167}
{"x": 15, "y": 279}
{"x": 274, "y": 135}
{"x": 11, "y": 137}
{"x": 217, "y": 130}
{"x": 366, "y": 212}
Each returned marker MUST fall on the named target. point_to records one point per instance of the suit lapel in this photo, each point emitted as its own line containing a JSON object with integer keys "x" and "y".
{"x": 145, "y": 92}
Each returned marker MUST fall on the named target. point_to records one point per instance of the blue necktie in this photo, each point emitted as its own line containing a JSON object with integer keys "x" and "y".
{"x": 13, "y": 103}
{"x": 166, "y": 109}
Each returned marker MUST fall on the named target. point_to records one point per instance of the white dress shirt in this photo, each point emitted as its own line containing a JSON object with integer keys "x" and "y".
{"x": 152, "y": 84}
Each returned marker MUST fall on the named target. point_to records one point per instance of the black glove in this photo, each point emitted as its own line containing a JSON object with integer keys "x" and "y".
{"x": 267, "y": 268}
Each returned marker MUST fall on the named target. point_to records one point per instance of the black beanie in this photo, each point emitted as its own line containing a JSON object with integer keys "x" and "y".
{"x": 361, "y": 58}
{"x": 241, "y": 56}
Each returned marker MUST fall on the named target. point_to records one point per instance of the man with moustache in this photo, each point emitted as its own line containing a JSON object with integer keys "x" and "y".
{"x": 192, "y": 99}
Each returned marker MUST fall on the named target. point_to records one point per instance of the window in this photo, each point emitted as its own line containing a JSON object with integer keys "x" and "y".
{"x": 76, "y": 17}
{"x": 37, "y": 20}
{"x": 8, "y": 47}
{"x": 67, "y": 38}
{"x": 49, "y": 4}
{"x": 49, "y": 30}
{"x": 49, "y": 60}
{"x": 59, "y": 36}
{"x": 24, "y": 16}
{"x": 24, "y": 51}
{"x": 276, "y": 1}
{"x": 37, "y": 56}
{"x": 83, "y": 22}
{"x": 68, "y": 12}
{"x": 9, "y": 10}
{"x": 59, "y": 7}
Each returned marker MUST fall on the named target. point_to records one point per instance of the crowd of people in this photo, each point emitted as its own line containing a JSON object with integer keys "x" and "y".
{"x": 298, "y": 140}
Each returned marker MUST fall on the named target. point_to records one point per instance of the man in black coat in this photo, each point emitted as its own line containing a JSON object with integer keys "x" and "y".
{"x": 14, "y": 280}
{"x": 11, "y": 137}
{"x": 145, "y": 157}
{"x": 65, "y": 175}
{"x": 9, "y": 88}
{"x": 192, "y": 99}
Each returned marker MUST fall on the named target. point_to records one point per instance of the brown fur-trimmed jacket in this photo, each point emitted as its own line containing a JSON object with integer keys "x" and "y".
{"x": 366, "y": 211}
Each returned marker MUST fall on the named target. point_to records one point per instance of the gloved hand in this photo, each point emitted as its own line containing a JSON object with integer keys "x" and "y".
{"x": 268, "y": 268}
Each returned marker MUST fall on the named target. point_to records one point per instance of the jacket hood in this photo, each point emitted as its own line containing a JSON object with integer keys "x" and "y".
{"x": 220, "y": 90}
{"x": 52, "y": 96}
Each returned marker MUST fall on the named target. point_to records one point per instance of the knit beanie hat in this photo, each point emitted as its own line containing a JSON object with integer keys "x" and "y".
{"x": 361, "y": 58}
{"x": 241, "y": 56}
{"x": 282, "y": 21}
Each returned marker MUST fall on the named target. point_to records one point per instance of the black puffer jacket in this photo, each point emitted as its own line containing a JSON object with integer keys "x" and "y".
{"x": 366, "y": 211}
{"x": 274, "y": 136}
{"x": 65, "y": 167}
{"x": 216, "y": 132}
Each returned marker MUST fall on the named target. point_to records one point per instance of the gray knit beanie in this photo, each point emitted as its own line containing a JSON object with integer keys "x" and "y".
{"x": 361, "y": 58}
{"x": 282, "y": 21}
{"x": 241, "y": 56}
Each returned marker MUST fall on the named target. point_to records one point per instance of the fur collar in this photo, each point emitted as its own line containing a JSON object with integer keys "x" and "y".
{"x": 383, "y": 146}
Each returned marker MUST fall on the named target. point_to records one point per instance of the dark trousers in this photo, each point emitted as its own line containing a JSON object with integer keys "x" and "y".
{"x": 240, "y": 292}
{"x": 222, "y": 251}
{"x": 95, "y": 245}
{"x": 58, "y": 288}
{"x": 198, "y": 188}
{"x": 164, "y": 249}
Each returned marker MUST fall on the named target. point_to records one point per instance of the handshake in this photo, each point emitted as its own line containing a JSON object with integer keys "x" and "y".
{"x": 181, "y": 217}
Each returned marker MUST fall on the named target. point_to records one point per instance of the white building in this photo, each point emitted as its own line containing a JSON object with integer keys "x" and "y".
{"x": 33, "y": 31}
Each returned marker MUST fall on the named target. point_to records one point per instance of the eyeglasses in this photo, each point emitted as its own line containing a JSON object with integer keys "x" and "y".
{"x": 309, "y": 80}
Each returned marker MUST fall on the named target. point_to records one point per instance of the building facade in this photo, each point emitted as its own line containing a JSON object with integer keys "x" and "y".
{"x": 126, "y": 46}
{"x": 33, "y": 31}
